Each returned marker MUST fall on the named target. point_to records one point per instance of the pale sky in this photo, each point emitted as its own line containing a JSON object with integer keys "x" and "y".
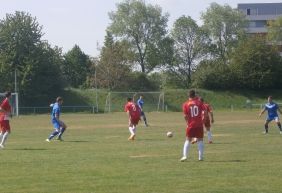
{"x": 83, "y": 22}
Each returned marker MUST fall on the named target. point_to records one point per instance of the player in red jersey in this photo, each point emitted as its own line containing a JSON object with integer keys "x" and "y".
{"x": 208, "y": 120}
{"x": 192, "y": 110}
{"x": 134, "y": 113}
{"x": 5, "y": 115}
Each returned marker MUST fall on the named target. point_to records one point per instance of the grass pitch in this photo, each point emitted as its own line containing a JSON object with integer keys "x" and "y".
{"x": 97, "y": 158}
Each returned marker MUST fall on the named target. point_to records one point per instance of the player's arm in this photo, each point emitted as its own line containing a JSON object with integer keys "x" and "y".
{"x": 262, "y": 112}
{"x": 211, "y": 115}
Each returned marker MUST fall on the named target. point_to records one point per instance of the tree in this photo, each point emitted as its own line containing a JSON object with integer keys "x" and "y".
{"x": 256, "y": 64}
{"x": 76, "y": 67}
{"x": 275, "y": 30}
{"x": 19, "y": 36}
{"x": 144, "y": 27}
{"x": 113, "y": 67}
{"x": 224, "y": 26}
{"x": 189, "y": 40}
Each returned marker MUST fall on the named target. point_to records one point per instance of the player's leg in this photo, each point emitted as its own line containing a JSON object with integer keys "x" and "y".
{"x": 209, "y": 134}
{"x": 131, "y": 130}
{"x": 56, "y": 131}
{"x": 63, "y": 127}
{"x": 266, "y": 126}
{"x": 201, "y": 149}
{"x": 144, "y": 118}
{"x": 6, "y": 132}
{"x": 187, "y": 144}
{"x": 278, "y": 124}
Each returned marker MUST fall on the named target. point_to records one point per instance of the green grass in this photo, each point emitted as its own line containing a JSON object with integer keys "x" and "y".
{"x": 96, "y": 156}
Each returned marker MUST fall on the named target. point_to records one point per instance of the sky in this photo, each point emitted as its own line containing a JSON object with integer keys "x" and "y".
{"x": 83, "y": 22}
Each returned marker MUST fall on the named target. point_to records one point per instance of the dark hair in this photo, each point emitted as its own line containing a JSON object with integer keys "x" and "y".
{"x": 192, "y": 93}
{"x": 8, "y": 94}
{"x": 58, "y": 99}
{"x": 201, "y": 99}
{"x": 129, "y": 99}
{"x": 270, "y": 97}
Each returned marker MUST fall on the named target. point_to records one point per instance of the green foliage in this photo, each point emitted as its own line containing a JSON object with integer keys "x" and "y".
{"x": 141, "y": 82}
{"x": 224, "y": 26}
{"x": 144, "y": 27}
{"x": 189, "y": 42}
{"x": 213, "y": 75}
{"x": 76, "y": 67}
{"x": 36, "y": 63}
{"x": 113, "y": 67}
{"x": 256, "y": 64}
{"x": 275, "y": 30}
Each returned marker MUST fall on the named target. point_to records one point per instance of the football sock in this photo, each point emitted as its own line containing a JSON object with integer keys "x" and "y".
{"x": 131, "y": 130}
{"x": 1, "y": 135}
{"x": 201, "y": 149}
{"x": 209, "y": 136}
{"x": 266, "y": 128}
{"x": 134, "y": 129}
{"x": 186, "y": 148}
{"x": 279, "y": 125}
{"x": 61, "y": 133}
{"x": 53, "y": 134}
{"x": 5, "y": 136}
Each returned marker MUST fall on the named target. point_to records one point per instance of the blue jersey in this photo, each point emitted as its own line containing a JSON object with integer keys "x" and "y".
{"x": 140, "y": 103}
{"x": 55, "y": 111}
{"x": 271, "y": 110}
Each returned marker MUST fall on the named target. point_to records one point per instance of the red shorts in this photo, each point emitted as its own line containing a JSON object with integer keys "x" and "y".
{"x": 5, "y": 126}
{"x": 134, "y": 121}
{"x": 197, "y": 132}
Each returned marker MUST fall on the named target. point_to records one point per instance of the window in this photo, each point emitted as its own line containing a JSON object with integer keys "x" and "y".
{"x": 248, "y": 11}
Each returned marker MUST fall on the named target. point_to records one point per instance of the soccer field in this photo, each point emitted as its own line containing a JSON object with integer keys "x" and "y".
{"x": 96, "y": 156}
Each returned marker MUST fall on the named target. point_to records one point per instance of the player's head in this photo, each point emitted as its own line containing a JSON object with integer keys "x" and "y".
{"x": 8, "y": 94}
{"x": 141, "y": 96}
{"x": 192, "y": 94}
{"x": 129, "y": 99}
{"x": 59, "y": 100}
{"x": 269, "y": 99}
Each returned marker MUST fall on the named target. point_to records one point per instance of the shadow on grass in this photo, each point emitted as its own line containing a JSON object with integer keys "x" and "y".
{"x": 231, "y": 161}
{"x": 76, "y": 141}
{"x": 28, "y": 149}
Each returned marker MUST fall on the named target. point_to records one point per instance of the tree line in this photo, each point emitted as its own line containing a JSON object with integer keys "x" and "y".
{"x": 140, "y": 53}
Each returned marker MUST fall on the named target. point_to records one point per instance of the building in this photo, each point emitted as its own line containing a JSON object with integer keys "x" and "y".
{"x": 259, "y": 14}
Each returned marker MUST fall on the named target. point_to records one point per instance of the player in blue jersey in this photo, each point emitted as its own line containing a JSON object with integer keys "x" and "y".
{"x": 140, "y": 103}
{"x": 271, "y": 109}
{"x": 59, "y": 126}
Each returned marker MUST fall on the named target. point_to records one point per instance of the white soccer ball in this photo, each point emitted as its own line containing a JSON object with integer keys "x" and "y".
{"x": 169, "y": 134}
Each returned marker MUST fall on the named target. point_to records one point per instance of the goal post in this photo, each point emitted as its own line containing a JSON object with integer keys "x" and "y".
{"x": 153, "y": 101}
{"x": 14, "y": 102}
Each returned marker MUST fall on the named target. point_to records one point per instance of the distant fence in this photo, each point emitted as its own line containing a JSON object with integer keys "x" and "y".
{"x": 65, "y": 109}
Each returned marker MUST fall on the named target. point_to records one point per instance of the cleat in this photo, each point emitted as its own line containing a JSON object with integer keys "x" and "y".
{"x": 210, "y": 142}
{"x": 183, "y": 159}
{"x": 48, "y": 140}
{"x": 131, "y": 138}
{"x": 146, "y": 125}
{"x": 281, "y": 132}
{"x": 1, "y": 146}
{"x": 201, "y": 159}
{"x": 264, "y": 132}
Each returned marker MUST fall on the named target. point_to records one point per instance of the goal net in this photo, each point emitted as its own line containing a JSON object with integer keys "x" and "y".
{"x": 153, "y": 101}
{"x": 14, "y": 102}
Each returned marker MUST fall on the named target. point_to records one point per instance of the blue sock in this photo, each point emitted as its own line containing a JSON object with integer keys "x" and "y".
{"x": 61, "y": 133}
{"x": 53, "y": 134}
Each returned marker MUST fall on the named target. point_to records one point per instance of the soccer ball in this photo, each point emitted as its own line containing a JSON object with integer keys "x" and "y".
{"x": 169, "y": 134}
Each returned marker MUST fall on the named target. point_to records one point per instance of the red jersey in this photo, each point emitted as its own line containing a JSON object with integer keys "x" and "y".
{"x": 133, "y": 109}
{"x": 5, "y": 105}
{"x": 192, "y": 110}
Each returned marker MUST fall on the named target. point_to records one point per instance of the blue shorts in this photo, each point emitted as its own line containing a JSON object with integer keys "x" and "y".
{"x": 56, "y": 124}
{"x": 271, "y": 118}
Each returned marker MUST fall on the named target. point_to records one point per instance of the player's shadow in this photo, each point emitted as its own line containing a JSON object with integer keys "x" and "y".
{"x": 76, "y": 141}
{"x": 29, "y": 149}
{"x": 230, "y": 161}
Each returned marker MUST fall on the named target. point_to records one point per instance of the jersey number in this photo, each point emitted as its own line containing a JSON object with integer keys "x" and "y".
{"x": 194, "y": 111}
{"x": 133, "y": 107}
